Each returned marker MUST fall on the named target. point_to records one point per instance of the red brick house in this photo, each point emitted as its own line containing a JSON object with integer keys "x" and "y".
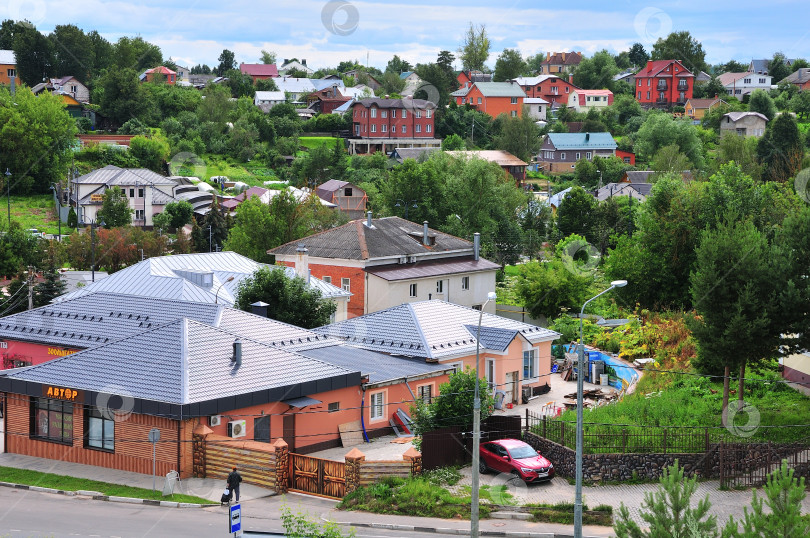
{"x": 465, "y": 78}
{"x": 493, "y": 98}
{"x": 560, "y": 62}
{"x": 169, "y": 75}
{"x": 383, "y": 124}
{"x": 259, "y": 71}
{"x": 664, "y": 83}
{"x": 553, "y": 89}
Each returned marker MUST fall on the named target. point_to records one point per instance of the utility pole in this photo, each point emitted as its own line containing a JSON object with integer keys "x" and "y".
{"x": 30, "y": 287}
{"x": 209, "y": 238}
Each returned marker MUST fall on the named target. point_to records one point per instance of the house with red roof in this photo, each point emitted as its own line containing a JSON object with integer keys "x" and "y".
{"x": 584, "y": 100}
{"x": 259, "y": 71}
{"x": 159, "y": 73}
{"x": 560, "y": 62}
{"x": 664, "y": 84}
{"x": 555, "y": 90}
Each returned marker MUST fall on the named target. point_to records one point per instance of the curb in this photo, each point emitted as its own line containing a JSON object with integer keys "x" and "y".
{"x": 96, "y": 496}
{"x": 458, "y": 532}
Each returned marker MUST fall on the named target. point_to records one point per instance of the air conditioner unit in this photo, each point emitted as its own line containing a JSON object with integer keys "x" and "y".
{"x": 237, "y": 428}
{"x": 215, "y": 420}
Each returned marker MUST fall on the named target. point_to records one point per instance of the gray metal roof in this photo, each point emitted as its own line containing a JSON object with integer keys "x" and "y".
{"x": 378, "y": 367}
{"x": 303, "y": 401}
{"x": 113, "y": 175}
{"x": 493, "y": 337}
{"x": 500, "y": 89}
{"x": 183, "y": 362}
{"x": 389, "y": 236}
{"x": 200, "y": 278}
{"x": 446, "y": 266}
{"x": 427, "y": 329}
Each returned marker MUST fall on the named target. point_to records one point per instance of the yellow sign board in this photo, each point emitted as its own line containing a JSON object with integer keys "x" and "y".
{"x": 96, "y": 198}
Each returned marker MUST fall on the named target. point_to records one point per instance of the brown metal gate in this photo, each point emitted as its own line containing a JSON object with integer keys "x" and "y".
{"x": 317, "y": 476}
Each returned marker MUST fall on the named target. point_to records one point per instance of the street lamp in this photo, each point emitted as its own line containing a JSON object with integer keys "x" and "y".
{"x": 93, "y": 225}
{"x": 580, "y": 382}
{"x": 57, "y": 195}
{"x": 477, "y": 425}
{"x": 406, "y": 205}
{"x": 216, "y": 295}
{"x": 8, "y": 195}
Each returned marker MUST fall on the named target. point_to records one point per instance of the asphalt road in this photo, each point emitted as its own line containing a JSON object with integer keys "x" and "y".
{"x": 25, "y": 514}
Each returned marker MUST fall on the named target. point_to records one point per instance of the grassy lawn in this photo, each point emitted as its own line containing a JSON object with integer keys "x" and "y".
{"x": 69, "y": 483}
{"x": 311, "y": 142}
{"x": 563, "y": 513}
{"x": 253, "y": 174}
{"x": 33, "y": 211}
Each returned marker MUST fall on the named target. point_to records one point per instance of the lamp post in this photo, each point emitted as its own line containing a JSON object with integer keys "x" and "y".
{"x": 8, "y": 195}
{"x": 57, "y": 195}
{"x": 406, "y": 205}
{"x": 580, "y": 382}
{"x": 93, "y": 225}
{"x": 216, "y": 295}
{"x": 477, "y": 425}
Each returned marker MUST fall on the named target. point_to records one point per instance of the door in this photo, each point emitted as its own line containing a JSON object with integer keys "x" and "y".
{"x": 261, "y": 429}
{"x": 288, "y": 431}
{"x": 511, "y": 388}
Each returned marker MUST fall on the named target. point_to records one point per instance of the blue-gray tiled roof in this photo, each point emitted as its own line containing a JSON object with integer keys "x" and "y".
{"x": 492, "y": 337}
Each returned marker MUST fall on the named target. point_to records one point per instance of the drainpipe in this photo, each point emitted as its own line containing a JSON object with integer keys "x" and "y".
{"x": 425, "y": 238}
{"x": 476, "y": 245}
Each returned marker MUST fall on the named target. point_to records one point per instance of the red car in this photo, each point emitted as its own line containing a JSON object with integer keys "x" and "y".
{"x": 515, "y": 457}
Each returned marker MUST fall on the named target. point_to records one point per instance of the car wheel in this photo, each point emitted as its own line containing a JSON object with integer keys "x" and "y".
{"x": 516, "y": 477}
{"x": 482, "y": 467}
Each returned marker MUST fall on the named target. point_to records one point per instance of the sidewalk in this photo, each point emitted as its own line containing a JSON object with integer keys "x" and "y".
{"x": 207, "y": 488}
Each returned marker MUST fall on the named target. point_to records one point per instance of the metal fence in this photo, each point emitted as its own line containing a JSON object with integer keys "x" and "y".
{"x": 453, "y": 445}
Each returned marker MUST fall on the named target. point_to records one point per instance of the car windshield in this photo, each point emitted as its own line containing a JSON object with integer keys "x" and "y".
{"x": 520, "y": 452}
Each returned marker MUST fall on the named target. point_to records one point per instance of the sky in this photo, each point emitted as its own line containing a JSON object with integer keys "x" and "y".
{"x": 327, "y": 32}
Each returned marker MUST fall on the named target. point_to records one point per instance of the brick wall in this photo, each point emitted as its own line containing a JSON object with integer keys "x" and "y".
{"x": 356, "y": 276}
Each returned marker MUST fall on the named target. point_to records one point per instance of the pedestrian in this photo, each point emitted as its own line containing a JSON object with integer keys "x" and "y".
{"x": 234, "y": 478}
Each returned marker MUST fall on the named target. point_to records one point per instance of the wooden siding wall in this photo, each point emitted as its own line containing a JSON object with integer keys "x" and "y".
{"x": 375, "y": 471}
{"x": 133, "y": 451}
{"x": 256, "y": 461}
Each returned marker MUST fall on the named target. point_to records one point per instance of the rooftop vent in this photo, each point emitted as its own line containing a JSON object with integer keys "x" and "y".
{"x": 237, "y": 352}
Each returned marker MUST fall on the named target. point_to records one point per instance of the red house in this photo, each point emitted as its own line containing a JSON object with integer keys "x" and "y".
{"x": 169, "y": 75}
{"x": 627, "y": 157}
{"x": 466, "y": 78}
{"x": 259, "y": 71}
{"x": 553, "y": 89}
{"x": 493, "y": 98}
{"x": 663, "y": 84}
{"x": 393, "y": 118}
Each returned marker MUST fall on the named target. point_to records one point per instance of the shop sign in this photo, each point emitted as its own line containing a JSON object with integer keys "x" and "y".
{"x": 96, "y": 198}
{"x": 61, "y": 393}
{"x": 60, "y": 352}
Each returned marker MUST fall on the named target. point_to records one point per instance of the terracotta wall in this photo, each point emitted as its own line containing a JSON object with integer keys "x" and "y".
{"x": 30, "y": 353}
{"x": 357, "y": 277}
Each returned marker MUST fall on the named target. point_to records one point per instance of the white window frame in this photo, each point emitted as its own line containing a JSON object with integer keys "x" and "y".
{"x": 562, "y": 156}
{"x": 384, "y": 128}
{"x": 418, "y": 113}
{"x": 428, "y": 113}
{"x": 140, "y": 214}
{"x": 514, "y": 113}
{"x": 404, "y": 114}
{"x": 404, "y": 129}
{"x": 376, "y": 406}
{"x": 327, "y": 279}
{"x": 579, "y": 155}
{"x": 428, "y": 128}
{"x": 418, "y": 128}
{"x": 373, "y": 112}
{"x": 373, "y": 127}
{"x": 588, "y": 155}
{"x": 513, "y": 101}
{"x": 531, "y": 356}
{"x": 465, "y": 283}
{"x": 346, "y": 284}
{"x": 383, "y": 113}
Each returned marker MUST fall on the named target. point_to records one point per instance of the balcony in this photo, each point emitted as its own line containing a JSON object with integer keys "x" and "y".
{"x": 662, "y": 100}
{"x": 683, "y": 86}
{"x": 662, "y": 87}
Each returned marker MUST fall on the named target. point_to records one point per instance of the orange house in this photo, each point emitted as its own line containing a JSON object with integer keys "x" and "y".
{"x": 8, "y": 66}
{"x": 168, "y": 76}
{"x": 552, "y": 88}
{"x": 493, "y": 98}
{"x": 664, "y": 83}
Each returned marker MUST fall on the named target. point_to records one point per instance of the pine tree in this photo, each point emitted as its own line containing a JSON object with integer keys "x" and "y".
{"x": 218, "y": 223}
{"x": 54, "y": 286}
{"x": 72, "y": 220}
{"x": 199, "y": 240}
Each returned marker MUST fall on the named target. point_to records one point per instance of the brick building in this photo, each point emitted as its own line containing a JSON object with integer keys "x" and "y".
{"x": 492, "y": 98}
{"x": 383, "y": 124}
{"x": 556, "y": 90}
{"x": 663, "y": 84}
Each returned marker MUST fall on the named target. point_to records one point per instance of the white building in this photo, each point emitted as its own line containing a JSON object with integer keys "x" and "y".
{"x": 742, "y": 84}
{"x": 267, "y": 100}
{"x": 536, "y": 107}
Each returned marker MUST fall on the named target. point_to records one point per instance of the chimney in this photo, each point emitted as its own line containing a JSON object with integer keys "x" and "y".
{"x": 304, "y": 62}
{"x": 476, "y": 245}
{"x": 425, "y": 238}
{"x": 587, "y": 136}
{"x": 570, "y": 78}
{"x": 368, "y": 219}
{"x": 237, "y": 352}
{"x": 259, "y": 308}
{"x": 286, "y": 60}
{"x": 302, "y": 262}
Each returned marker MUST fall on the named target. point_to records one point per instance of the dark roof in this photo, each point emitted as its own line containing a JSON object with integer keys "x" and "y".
{"x": 378, "y": 367}
{"x": 420, "y": 104}
{"x": 800, "y": 76}
{"x": 388, "y": 237}
{"x": 445, "y": 266}
{"x": 478, "y": 76}
{"x": 493, "y": 338}
{"x": 563, "y": 58}
{"x": 623, "y": 189}
{"x": 332, "y": 186}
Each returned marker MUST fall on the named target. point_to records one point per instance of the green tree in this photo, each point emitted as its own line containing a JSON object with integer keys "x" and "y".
{"x": 180, "y": 213}
{"x": 740, "y": 149}
{"x": 519, "y": 136}
{"x": 121, "y": 96}
{"x": 33, "y": 53}
{"x": 290, "y": 300}
{"x": 778, "y": 68}
{"x": 415, "y": 184}
{"x": 596, "y": 72}
{"x": 214, "y": 227}
{"x": 780, "y": 150}
{"x": 627, "y": 108}
{"x": 266, "y": 85}
{"x": 115, "y": 210}
{"x": 73, "y": 52}
{"x": 668, "y": 512}
{"x": 36, "y": 136}
{"x": 102, "y": 52}
{"x": 709, "y": 90}
{"x": 454, "y": 404}
{"x": 660, "y": 130}
{"x": 551, "y": 287}
{"x": 268, "y": 57}
{"x": 252, "y": 235}
{"x": 576, "y": 213}
{"x": 453, "y": 143}
{"x": 53, "y": 286}
{"x": 761, "y": 102}
{"x": 227, "y": 62}
{"x": 509, "y": 65}
{"x": 800, "y": 104}
{"x": 474, "y": 50}
{"x": 670, "y": 159}
{"x": 391, "y": 84}
{"x": 150, "y": 152}
{"x": 681, "y": 46}
{"x": 72, "y": 219}
{"x": 241, "y": 85}
{"x": 784, "y": 494}
{"x": 397, "y": 65}
{"x": 638, "y": 56}
{"x": 137, "y": 54}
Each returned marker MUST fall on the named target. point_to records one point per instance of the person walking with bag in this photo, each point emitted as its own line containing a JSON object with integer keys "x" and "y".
{"x": 234, "y": 479}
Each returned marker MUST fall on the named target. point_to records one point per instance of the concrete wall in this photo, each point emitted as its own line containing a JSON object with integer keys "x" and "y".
{"x": 384, "y": 294}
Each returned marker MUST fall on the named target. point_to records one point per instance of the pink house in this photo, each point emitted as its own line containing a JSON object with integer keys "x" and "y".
{"x": 169, "y": 76}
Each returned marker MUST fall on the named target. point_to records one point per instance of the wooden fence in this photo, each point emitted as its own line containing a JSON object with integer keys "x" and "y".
{"x": 453, "y": 445}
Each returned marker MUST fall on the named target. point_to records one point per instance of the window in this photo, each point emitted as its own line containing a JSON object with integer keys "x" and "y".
{"x": 418, "y": 128}
{"x": 373, "y": 127}
{"x": 737, "y": 92}
{"x": 746, "y": 81}
{"x": 579, "y": 155}
{"x": 554, "y": 89}
{"x": 428, "y": 128}
{"x": 412, "y": 291}
{"x": 588, "y": 155}
{"x": 52, "y": 420}
{"x": 139, "y": 214}
{"x": 384, "y": 128}
{"x": 639, "y": 83}
{"x": 418, "y": 113}
{"x": 383, "y": 113}
{"x": 649, "y": 82}
{"x": 457, "y": 366}
{"x": 514, "y": 113}
{"x": 440, "y": 286}
{"x": 513, "y": 101}
{"x": 479, "y": 100}
{"x": 373, "y": 112}
{"x": 404, "y": 128}
{"x": 140, "y": 193}
{"x": 465, "y": 282}
{"x": 132, "y": 193}
{"x": 638, "y": 96}
{"x": 463, "y": 100}
{"x": 424, "y": 393}
{"x": 477, "y": 307}
{"x": 327, "y": 279}
{"x": 346, "y": 284}
{"x": 562, "y": 156}
{"x": 404, "y": 114}
{"x": 762, "y": 81}
{"x": 428, "y": 113}
{"x": 567, "y": 89}
{"x": 99, "y": 430}
{"x": 648, "y": 95}
{"x": 347, "y": 191}
{"x": 11, "y": 72}
{"x": 529, "y": 364}
{"x": 334, "y": 406}
{"x": 377, "y": 406}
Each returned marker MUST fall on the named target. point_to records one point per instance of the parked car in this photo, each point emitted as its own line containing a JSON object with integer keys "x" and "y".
{"x": 515, "y": 457}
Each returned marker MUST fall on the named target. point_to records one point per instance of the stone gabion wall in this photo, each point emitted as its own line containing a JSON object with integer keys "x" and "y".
{"x": 198, "y": 455}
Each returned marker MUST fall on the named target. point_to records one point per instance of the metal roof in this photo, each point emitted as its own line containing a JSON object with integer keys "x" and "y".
{"x": 446, "y": 266}
{"x": 498, "y": 156}
{"x": 182, "y": 362}
{"x": 303, "y": 401}
{"x": 7, "y": 57}
{"x": 582, "y": 140}
{"x": 493, "y": 338}
{"x": 427, "y": 329}
{"x": 113, "y": 175}
{"x": 189, "y": 277}
{"x": 259, "y": 70}
{"x": 499, "y": 89}
{"x": 736, "y": 116}
{"x": 378, "y": 367}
